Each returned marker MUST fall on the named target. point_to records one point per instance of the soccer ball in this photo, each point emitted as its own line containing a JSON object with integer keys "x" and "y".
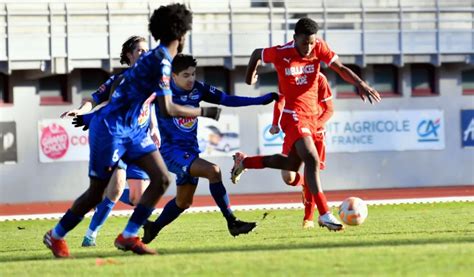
{"x": 353, "y": 211}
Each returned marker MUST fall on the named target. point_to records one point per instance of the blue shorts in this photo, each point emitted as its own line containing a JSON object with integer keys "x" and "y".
{"x": 179, "y": 162}
{"x": 135, "y": 172}
{"x": 107, "y": 150}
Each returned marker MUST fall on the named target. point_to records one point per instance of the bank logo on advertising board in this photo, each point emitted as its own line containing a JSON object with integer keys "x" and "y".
{"x": 54, "y": 141}
{"x": 427, "y": 130}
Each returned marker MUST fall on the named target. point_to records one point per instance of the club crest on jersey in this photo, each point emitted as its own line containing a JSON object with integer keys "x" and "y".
{"x": 186, "y": 124}
{"x": 194, "y": 94}
{"x": 298, "y": 70}
{"x": 145, "y": 110}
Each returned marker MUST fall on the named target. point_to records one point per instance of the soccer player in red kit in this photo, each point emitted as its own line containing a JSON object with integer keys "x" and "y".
{"x": 291, "y": 178}
{"x": 297, "y": 65}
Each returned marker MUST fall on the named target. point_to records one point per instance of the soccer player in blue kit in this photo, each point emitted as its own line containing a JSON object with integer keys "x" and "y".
{"x": 137, "y": 180}
{"x": 180, "y": 149}
{"x": 117, "y": 131}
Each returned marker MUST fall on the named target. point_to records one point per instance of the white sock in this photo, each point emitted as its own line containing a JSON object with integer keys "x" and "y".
{"x": 127, "y": 235}
{"x": 91, "y": 234}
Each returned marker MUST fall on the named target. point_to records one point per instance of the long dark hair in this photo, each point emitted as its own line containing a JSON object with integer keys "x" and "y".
{"x": 128, "y": 46}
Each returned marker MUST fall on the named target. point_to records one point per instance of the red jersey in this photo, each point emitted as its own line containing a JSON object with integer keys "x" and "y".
{"x": 324, "y": 94}
{"x": 297, "y": 76}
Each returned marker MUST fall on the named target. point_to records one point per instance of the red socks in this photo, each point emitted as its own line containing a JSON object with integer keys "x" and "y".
{"x": 298, "y": 181}
{"x": 253, "y": 162}
{"x": 321, "y": 203}
{"x": 308, "y": 202}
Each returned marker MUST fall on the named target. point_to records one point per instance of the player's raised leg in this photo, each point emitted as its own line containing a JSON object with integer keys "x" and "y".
{"x": 277, "y": 161}
{"x": 302, "y": 151}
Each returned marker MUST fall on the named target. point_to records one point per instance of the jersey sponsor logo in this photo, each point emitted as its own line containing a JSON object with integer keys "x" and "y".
{"x": 194, "y": 95}
{"x": 145, "y": 110}
{"x": 186, "y": 124}
{"x": 287, "y": 60}
{"x": 54, "y": 141}
{"x": 301, "y": 80}
{"x": 298, "y": 70}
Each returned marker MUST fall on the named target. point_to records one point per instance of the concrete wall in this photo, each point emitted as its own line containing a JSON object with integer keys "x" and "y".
{"x": 29, "y": 180}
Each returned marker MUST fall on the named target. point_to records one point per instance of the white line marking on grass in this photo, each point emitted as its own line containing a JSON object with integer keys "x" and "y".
{"x": 276, "y": 206}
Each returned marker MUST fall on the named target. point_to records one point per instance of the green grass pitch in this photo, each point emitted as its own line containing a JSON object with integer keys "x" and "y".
{"x": 396, "y": 240}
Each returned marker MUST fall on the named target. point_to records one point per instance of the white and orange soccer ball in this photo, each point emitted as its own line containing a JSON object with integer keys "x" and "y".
{"x": 353, "y": 211}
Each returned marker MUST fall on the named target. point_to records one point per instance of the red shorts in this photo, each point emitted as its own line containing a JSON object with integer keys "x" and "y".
{"x": 296, "y": 127}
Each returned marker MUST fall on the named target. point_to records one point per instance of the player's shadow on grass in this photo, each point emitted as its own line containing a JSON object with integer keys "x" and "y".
{"x": 94, "y": 253}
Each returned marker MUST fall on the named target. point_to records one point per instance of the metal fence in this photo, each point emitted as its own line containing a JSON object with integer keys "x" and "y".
{"x": 57, "y": 36}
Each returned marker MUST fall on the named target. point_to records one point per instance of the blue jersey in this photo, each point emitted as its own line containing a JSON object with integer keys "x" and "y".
{"x": 128, "y": 111}
{"x": 181, "y": 132}
{"x": 102, "y": 94}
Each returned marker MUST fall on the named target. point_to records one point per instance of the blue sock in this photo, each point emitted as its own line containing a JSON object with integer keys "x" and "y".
{"x": 125, "y": 198}
{"x": 170, "y": 212}
{"x": 221, "y": 198}
{"x": 66, "y": 224}
{"x": 100, "y": 216}
{"x": 138, "y": 218}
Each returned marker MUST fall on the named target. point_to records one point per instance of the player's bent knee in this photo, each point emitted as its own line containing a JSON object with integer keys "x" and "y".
{"x": 134, "y": 199}
{"x": 114, "y": 193}
{"x": 215, "y": 172}
{"x": 184, "y": 204}
{"x": 164, "y": 181}
{"x": 287, "y": 180}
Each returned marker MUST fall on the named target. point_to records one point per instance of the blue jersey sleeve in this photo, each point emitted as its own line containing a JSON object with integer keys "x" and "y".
{"x": 103, "y": 92}
{"x": 213, "y": 95}
{"x": 164, "y": 87}
{"x": 210, "y": 93}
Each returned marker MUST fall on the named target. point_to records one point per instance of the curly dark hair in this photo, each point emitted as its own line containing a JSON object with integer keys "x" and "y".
{"x": 306, "y": 26}
{"x": 128, "y": 46}
{"x": 182, "y": 62}
{"x": 170, "y": 23}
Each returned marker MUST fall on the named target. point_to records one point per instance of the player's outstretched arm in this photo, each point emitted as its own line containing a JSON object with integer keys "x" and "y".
{"x": 168, "y": 108}
{"x": 84, "y": 119}
{"x": 251, "y": 74}
{"x": 240, "y": 101}
{"x": 213, "y": 95}
{"x": 84, "y": 108}
{"x": 363, "y": 89}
